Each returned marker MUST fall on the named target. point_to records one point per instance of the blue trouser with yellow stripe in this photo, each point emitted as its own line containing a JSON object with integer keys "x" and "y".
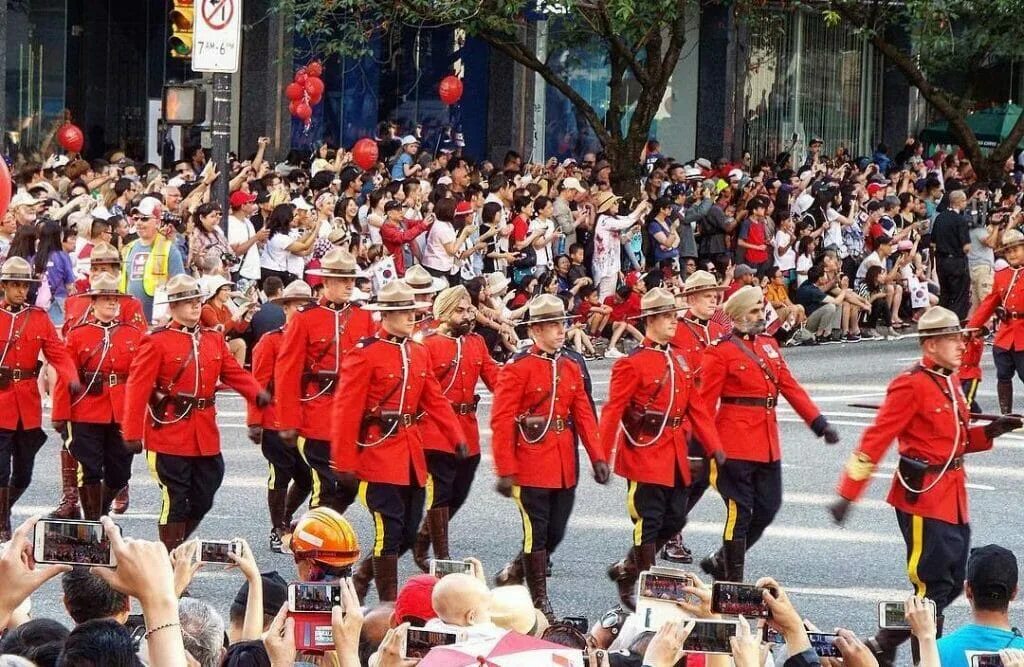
{"x": 545, "y": 514}
{"x": 187, "y": 485}
{"x": 970, "y": 389}
{"x": 752, "y": 492}
{"x": 326, "y": 490}
{"x": 396, "y": 511}
{"x": 937, "y": 554}
{"x": 658, "y": 512}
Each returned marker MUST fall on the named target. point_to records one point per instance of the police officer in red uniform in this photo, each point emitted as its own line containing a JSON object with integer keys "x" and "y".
{"x": 170, "y": 409}
{"x": 425, "y": 287}
{"x": 744, "y": 374}
{"x": 1006, "y": 303}
{"x": 102, "y": 349}
{"x": 104, "y": 260}
{"x": 25, "y": 331}
{"x": 540, "y": 405}
{"x": 696, "y": 331}
{"x": 926, "y": 413}
{"x": 388, "y": 381}
{"x": 653, "y": 406}
{"x": 459, "y": 359}
{"x": 306, "y": 373}
{"x": 285, "y": 462}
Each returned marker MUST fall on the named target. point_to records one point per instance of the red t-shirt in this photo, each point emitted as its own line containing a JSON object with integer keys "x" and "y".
{"x": 757, "y": 234}
{"x": 621, "y": 310}
{"x": 520, "y": 228}
{"x": 583, "y": 311}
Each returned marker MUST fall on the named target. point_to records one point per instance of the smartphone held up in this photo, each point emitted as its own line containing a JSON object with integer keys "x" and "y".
{"x": 72, "y": 542}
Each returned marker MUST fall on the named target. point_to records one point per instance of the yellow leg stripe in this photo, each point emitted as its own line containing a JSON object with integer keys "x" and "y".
{"x": 713, "y": 474}
{"x": 730, "y": 521}
{"x": 378, "y": 521}
{"x": 527, "y": 526}
{"x": 165, "y": 497}
{"x": 638, "y": 522}
{"x": 972, "y": 391}
{"x": 916, "y": 547}
{"x": 271, "y": 476}
{"x": 314, "y": 493}
{"x": 79, "y": 470}
{"x": 429, "y": 502}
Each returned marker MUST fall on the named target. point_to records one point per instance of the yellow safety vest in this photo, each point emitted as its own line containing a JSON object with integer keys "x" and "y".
{"x": 154, "y": 273}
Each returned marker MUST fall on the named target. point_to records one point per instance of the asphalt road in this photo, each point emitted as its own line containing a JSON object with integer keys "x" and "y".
{"x": 836, "y": 576}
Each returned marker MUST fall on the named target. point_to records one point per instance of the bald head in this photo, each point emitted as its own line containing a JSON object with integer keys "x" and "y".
{"x": 461, "y": 600}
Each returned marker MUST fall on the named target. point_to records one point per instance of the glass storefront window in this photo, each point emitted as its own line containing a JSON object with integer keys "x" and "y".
{"x": 34, "y": 78}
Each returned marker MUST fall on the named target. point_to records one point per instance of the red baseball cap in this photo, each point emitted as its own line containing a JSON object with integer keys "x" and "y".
{"x": 874, "y": 188}
{"x": 240, "y": 198}
{"x": 463, "y": 208}
{"x": 413, "y": 600}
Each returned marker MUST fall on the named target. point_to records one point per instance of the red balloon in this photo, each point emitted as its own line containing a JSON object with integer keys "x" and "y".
{"x": 450, "y": 89}
{"x": 293, "y": 91}
{"x": 313, "y": 101}
{"x": 303, "y": 112}
{"x": 300, "y": 77}
{"x": 315, "y": 88}
{"x": 5, "y": 187}
{"x": 315, "y": 69}
{"x": 365, "y": 153}
{"x": 293, "y": 105}
{"x": 70, "y": 137}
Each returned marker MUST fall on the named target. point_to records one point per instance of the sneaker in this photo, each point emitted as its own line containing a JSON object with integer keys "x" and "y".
{"x": 870, "y": 334}
{"x": 275, "y": 543}
{"x": 613, "y": 353}
{"x": 811, "y": 341}
{"x": 853, "y": 338}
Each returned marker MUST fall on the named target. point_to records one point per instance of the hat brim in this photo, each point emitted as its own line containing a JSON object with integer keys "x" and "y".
{"x": 327, "y": 273}
{"x": 97, "y": 293}
{"x": 945, "y": 331}
{"x": 392, "y": 307}
{"x": 286, "y": 299}
{"x": 1007, "y": 246}
{"x": 547, "y": 318}
{"x": 656, "y": 311}
{"x": 17, "y": 279}
{"x": 704, "y": 288}
{"x": 498, "y": 288}
{"x": 187, "y": 296}
{"x": 437, "y": 286}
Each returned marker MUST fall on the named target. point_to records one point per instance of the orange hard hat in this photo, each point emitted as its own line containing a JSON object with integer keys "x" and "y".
{"x": 324, "y": 536}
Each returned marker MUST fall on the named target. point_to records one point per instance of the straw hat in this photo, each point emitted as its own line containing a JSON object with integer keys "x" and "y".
{"x": 701, "y": 281}
{"x": 337, "y": 263}
{"x": 212, "y": 284}
{"x": 183, "y": 287}
{"x": 656, "y": 301}
{"x": 742, "y": 301}
{"x": 17, "y": 269}
{"x": 545, "y": 308}
{"x": 297, "y": 290}
{"x": 421, "y": 282}
{"x": 939, "y": 321}
{"x": 497, "y": 283}
{"x": 104, "y": 253}
{"x": 396, "y": 295}
{"x": 605, "y": 201}
{"x": 104, "y": 285}
{"x": 1011, "y": 238}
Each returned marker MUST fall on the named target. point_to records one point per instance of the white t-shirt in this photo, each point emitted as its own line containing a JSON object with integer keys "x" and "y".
{"x": 240, "y": 231}
{"x": 435, "y": 256}
{"x": 544, "y": 257}
{"x": 786, "y": 260}
{"x": 871, "y": 260}
{"x": 607, "y": 248}
{"x": 276, "y": 256}
{"x": 833, "y": 235}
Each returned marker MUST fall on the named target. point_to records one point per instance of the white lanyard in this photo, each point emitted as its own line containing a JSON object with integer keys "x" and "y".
{"x": 401, "y": 396}
{"x": 956, "y": 440}
{"x": 337, "y": 356}
{"x": 551, "y": 406}
{"x": 458, "y": 362}
{"x": 668, "y": 410}
{"x": 99, "y": 366}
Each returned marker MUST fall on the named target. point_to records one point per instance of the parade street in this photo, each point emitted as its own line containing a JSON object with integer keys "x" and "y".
{"x": 833, "y": 573}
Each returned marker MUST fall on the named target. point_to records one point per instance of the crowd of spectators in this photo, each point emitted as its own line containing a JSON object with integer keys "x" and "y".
{"x": 175, "y": 629}
{"x": 845, "y": 248}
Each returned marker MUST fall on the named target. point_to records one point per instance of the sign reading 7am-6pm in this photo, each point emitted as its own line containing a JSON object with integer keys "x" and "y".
{"x": 217, "y": 41}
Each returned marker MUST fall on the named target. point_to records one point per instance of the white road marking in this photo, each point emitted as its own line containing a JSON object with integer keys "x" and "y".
{"x": 801, "y": 533}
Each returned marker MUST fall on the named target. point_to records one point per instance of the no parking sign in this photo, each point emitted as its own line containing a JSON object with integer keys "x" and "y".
{"x": 217, "y": 39}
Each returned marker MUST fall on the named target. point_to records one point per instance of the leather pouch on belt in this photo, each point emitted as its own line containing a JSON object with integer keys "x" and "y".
{"x": 534, "y": 426}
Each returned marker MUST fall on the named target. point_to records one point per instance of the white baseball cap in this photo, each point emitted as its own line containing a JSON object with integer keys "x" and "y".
{"x": 301, "y": 204}
{"x": 151, "y": 207}
{"x": 409, "y": 139}
{"x": 573, "y": 183}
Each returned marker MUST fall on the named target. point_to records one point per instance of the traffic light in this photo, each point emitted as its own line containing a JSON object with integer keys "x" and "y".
{"x": 184, "y": 104}
{"x": 182, "y": 15}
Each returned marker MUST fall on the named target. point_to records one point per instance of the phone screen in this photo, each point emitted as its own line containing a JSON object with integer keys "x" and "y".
{"x": 216, "y": 552}
{"x": 310, "y": 597}
{"x": 986, "y": 660}
{"x": 418, "y": 642}
{"x": 663, "y": 586}
{"x": 735, "y": 599}
{"x": 823, "y": 643}
{"x": 440, "y": 568}
{"x": 72, "y": 542}
{"x": 710, "y": 637}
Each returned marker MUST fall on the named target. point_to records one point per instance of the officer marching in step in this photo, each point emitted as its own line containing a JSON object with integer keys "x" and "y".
{"x": 388, "y": 380}
{"x": 743, "y": 375}
{"x": 102, "y": 348}
{"x": 653, "y": 406}
{"x": 25, "y": 331}
{"x": 315, "y": 343}
{"x": 926, "y": 413}
{"x": 1006, "y": 303}
{"x": 694, "y": 334}
{"x": 425, "y": 287}
{"x": 459, "y": 359}
{"x": 540, "y": 405}
{"x": 104, "y": 260}
{"x": 285, "y": 463}
{"x": 170, "y": 409}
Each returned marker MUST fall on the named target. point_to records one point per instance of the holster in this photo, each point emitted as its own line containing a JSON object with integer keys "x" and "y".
{"x": 5, "y": 378}
{"x": 534, "y": 426}
{"x": 640, "y": 422}
{"x": 913, "y": 472}
{"x": 698, "y": 466}
{"x": 322, "y": 379}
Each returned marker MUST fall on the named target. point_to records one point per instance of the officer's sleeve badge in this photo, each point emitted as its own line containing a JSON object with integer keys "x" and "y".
{"x": 859, "y": 467}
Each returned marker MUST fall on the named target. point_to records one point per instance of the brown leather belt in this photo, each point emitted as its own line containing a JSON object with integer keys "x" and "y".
{"x": 675, "y": 422}
{"x": 19, "y": 374}
{"x": 109, "y": 379}
{"x": 1012, "y": 316}
{"x": 558, "y": 425}
{"x": 767, "y": 402}
{"x": 956, "y": 464}
{"x": 196, "y": 403}
{"x": 464, "y": 408}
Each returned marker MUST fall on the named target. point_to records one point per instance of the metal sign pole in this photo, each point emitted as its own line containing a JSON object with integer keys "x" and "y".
{"x": 221, "y": 130}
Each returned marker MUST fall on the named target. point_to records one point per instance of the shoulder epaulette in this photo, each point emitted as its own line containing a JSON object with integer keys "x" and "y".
{"x": 517, "y": 356}
{"x": 160, "y": 329}
{"x": 723, "y": 338}
{"x": 309, "y": 306}
{"x": 366, "y": 341}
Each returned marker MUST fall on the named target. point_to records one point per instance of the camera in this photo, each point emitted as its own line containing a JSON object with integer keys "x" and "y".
{"x": 175, "y": 220}
{"x": 229, "y": 258}
{"x": 978, "y": 212}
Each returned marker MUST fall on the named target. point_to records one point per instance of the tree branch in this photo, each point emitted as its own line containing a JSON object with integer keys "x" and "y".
{"x": 620, "y": 48}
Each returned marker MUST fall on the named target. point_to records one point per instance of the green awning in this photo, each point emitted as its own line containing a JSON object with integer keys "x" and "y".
{"x": 990, "y": 125}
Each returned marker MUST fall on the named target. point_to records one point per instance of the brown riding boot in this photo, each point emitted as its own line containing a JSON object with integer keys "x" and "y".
{"x": 676, "y": 551}
{"x": 91, "y": 497}
{"x": 172, "y": 534}
{"x": 1004, "y": 392}
{"x": 385, "y": 576}
{"x": 624, "y": 573}
{"x": 109, "y": 495}
{"x": 512, "y": 573}
{"x": 68, "y": 507}
{"x": 5, "y": 514}
{"x": 535, "y": 565}
{"x": 119, "y": 505}
{"x": 437, "y": 522}
{"x": 734, "y": 555}
{"x": 421, "y": 547}
{"x": 362, "y": 575}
